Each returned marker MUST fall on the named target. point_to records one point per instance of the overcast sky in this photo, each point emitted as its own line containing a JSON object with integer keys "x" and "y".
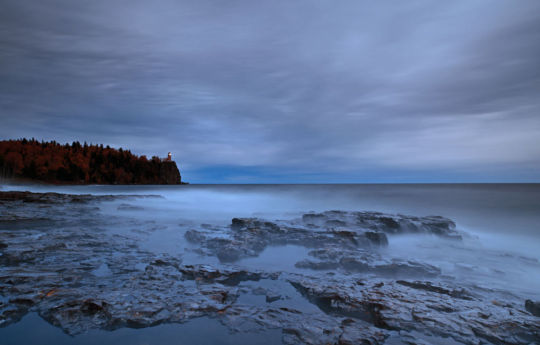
{"x": 283, "y": 91}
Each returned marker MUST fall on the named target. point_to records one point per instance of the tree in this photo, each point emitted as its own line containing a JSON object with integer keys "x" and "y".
{"x": 76, "y": 163}
{"x": 15, "y": 161}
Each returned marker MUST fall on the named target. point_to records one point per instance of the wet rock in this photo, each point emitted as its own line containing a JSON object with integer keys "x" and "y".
{"x": 194, "y": 236}
{"x": 377, "y": 238}
{"x": 461, "y": 293}
{"x": 327, "y": 254}
{"x": 55, "y": 271}
{"x": 355, "y": 332}
{"x": 272, "y": 296}
{"x": 128, "y": 207}
{"x": 229, "y": 254}
{"x": 407, "y": 268}
{"x": 366, "y": 262}
{"x": 230, "y": 276}
{"x": 339, "y": 302}
{"x": 58, "y": 198}
{"x": 338, "y": 229}
{"x": 253, "y": 224}
{"x": 533, "y": 307}
{"x": 11, "y": 313}
{"x": 350, "y": 235}
{"x": 389, "y": 223}
{"x": 238, "y": 223}
{"x": 335, "y": 223}
{"x": 392, "y": 306}
{"x": 314, "y": 218}
{"x": 167, "y": 261}
{"x": 317, "y": 265}
{"x": 92, "y": 307}
{"x": 24, "y": 301}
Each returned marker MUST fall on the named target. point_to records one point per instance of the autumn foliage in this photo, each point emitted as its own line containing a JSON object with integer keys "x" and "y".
{"x": 76, "y": 163}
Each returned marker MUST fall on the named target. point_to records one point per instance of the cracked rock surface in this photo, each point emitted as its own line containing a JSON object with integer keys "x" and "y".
{"x": 80, "y": 268}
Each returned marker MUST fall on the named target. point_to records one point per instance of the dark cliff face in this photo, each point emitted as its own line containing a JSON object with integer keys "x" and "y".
{"x": 169, "y": 173}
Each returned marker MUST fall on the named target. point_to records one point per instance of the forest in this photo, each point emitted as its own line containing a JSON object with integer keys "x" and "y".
{"x": 78, "y": 163}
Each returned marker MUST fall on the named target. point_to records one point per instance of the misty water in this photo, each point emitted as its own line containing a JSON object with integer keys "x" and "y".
{"x": 500, "y": 249}
{"x": 502, "y": 219}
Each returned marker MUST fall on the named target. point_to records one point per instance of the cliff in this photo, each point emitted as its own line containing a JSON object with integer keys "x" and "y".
{"x": 78, "y": 163}
{"x": 169, "y": 173}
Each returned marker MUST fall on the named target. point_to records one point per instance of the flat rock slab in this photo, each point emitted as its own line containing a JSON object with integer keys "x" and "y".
{"x": 80, "y": 275}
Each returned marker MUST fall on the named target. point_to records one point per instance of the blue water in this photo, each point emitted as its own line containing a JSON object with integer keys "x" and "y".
{"x": 490, "y": 208}
{"x": 33, "y": 330}
{"x": 503, "y": 218}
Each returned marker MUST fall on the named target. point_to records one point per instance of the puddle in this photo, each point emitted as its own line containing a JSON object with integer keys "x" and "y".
{"x": 289, "y": 297}
{"x": 201, "y": 331}
{"x": 277, "y": 258}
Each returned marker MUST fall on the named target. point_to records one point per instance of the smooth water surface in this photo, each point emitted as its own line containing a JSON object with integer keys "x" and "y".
{"x": 33, "y": 330}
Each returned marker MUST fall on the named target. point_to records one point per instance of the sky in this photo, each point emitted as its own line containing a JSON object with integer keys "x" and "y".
{"x": 283, "y": 91}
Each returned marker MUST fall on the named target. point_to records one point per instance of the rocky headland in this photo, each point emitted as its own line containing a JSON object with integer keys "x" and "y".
{"x": 76, "y": 163}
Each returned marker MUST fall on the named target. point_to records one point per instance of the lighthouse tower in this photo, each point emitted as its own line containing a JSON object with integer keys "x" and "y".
{"x": 169, "y": 157}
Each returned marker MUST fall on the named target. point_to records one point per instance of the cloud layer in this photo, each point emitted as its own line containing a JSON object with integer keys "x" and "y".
{"x": 284, "y": 91}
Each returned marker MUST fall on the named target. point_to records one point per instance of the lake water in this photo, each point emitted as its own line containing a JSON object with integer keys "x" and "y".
{"x": 503, "y": 209}
{"x": 32, "y": 330}
{"x": 503, "y": 219}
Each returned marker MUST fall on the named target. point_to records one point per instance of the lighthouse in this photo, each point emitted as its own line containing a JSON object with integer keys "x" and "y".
{"x": 169, "y": 157}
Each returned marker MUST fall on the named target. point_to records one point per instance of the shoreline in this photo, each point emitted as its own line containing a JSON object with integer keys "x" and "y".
{"x": 88, "y": 268}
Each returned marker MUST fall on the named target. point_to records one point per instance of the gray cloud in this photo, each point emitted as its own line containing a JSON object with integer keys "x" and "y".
{"x": 422, "y": 89}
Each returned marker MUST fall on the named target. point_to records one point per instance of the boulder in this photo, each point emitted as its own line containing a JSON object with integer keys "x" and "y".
{"x": 377, "y": 238}
{"x": 533, "y": 307}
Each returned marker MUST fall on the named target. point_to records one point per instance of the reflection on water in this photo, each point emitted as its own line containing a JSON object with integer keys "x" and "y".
{"x": 202, "y": 331}
{"x": 277, "y": 258}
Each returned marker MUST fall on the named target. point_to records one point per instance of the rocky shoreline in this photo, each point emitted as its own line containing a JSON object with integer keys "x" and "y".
{"x": 59, "y": 258}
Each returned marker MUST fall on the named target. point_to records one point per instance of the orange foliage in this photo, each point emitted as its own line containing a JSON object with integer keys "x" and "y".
{"x": 76, "y": 163}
